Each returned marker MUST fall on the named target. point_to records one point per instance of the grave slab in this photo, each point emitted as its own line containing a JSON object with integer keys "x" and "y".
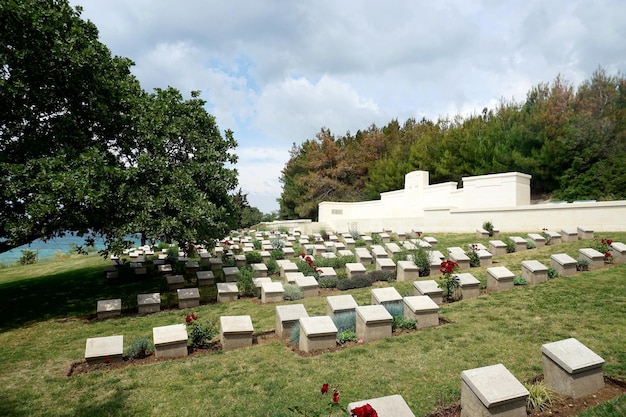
{"x": 354, "y": 269}
{"x": 385, "y": 264}
{"x": 343, "y": 253}
{"x": 569, "y": 235}
{"x": 109, "y": 308}
{"x": 230, "y": 273}
{"x": 227, "y": 291}
{"x": 363, "y": 256}
{"x": 170, "y": 341}
{"x": 422, "y": 309}
{"x": 149, "y": 303}
{"x": 460, "y": 258}
{"x": 308, "y": 285}
{"x": 205, "y": 278}
{"x": 595, "y": 258}
{"x": 431, "y": 241}
{"x": 175, "y": 282}
{"x": 470, "y": 286}
{"x": 257, "y": 285}
{"x": 485, "y": 257}
{"x": 317, "y": 333}
{"x": 386, "y": 296}
{"x": 571, "y": 368}
{"x": 188, "y": 297}
{"x": 236, "y": 332}
{"x": 429, "y": 288}
{"x": 290, "y": 277}
{"x": 492, "y": 391}
{"x": 216, "y": 263}
{"x": 520, "y": 243}
{"x": 497, "y": 247}
{"x": 389, "y": 406}
{"x": 618, "y": 252}
{"x": 539, "y": 240}
{"x": 563, "y": 264}
{"x": 339, "y": 304}
{"x": 555, "y": 237}
{"x": 373, "y": 323}
{"x": 287, "y": 316}
{"x": 165, "y": 269}
{"x": 481, "y": 233}
{"x": 272, "y": 292}
{"x": 287, "y": 267}
{"x": 534, "y": 272}
{"x": 584, "y": 233}
{"x": 327, "y": 271}
{"x": 407, "y": 271}
{"x": 499, "y": 278}
{"x": 107, "y": 349}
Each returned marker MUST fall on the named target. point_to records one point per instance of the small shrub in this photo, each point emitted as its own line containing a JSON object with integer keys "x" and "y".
{"x": 245, "y": 281}
{"x": 421, "y": 258}
{"x": 552, "y": 273}
{"x": 488, "y": 226}
{"x": 377, "y": 240}
{"x": 345, "y": 321}
{"x": 378, "y": 275}
{"x": 582, "y": 265}
{"x": 520, "y": 281}
{"x": 277, "y": 254}
{"x": 395, "y": 309}
{"x": 401, "y": 322}
{"x": 546, "y": 235}
{"x": 272, "y": 267}
{"x": 200, "y": 335}
{"x": 172, "y": 252}
{"x": 346, "y": 336}
{"x": 359, "y": 243}
{"x": 359, "y": 281}
{"x": 292, "y": 292}
{"x": 328, "y": 282}
{"x": 294, "y": 337}
{"x": 254, "y": 257}
{"x": 354, "y": 232}
{"x": 139, "y": 349}
{"x": 277, "y": 243}
{"x": 530, "y": 244}
{"x": 472, "y": 254}
{"x": 540, "y": 397}
{"x": 510, "y": 246}
{"x": 257, "y": 244}
{"x": 28, "y": 257}
{"x": 449, "y": 282}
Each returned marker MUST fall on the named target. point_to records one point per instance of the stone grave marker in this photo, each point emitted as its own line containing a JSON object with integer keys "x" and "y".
{"x": 595, "y": 258}
{"x": 460, "y": 258}
{"x": 327, "y": 271}
{"x": 188, "y": 297}
{"x": 340, "y": 304}
{"x": 492, "y": 391}
{"x": 470, "y": 286}
{"x": 569, "y": 235}
{"x": 539, "y": 240}
{"x": 385, "y": 264}
{"x": 429, "y": 288}
{"x": 571, "y": 368}
{"x": 499, "y": 278}
{"x": 354, "y": 269}
{"x": 149, "y": 303}
{"x": 272, "y": 292}
{"x": 497, "y": 247}
{"x": 389, "y": 406}
{"x": 378, "y": 252}
{"x": 520, "y": 243}
{"x": 170, "y": 341}
{"x": 290, "y": 277}
{"x": 407, "y": 271}
{"x": 317, "y": 333}
{"x": 205, "y": 278}
{"x": 534, "y": 272}
{"x": 286, "y": 318}
{"x": 564, "y": 264}
{"x": 257, "y": 285}
{"x": 175, "y": 282}
{"x": 386, "y": 296}
{"x": 109, "y": 308}
{"x": 422, "y": 309}
{"x": 309, "y": 286}
{"x": 618, "y": 252}
{"x": 227, "y": 291}
{"x": 584, "y": 233}
{"x": 236, "y": 332}
{"x": 373, "y": 323}
{"x": 363, "y": 256}
{"x": 107, "y": 349}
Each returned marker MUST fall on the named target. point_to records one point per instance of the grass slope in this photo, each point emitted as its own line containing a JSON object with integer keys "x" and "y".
{"x": 43, "y": 319}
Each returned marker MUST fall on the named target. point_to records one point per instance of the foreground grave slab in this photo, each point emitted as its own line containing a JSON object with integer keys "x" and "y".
{"x": 317, "y": 333}
{"x": 373, "y": 323}
{"x": 340, "y": 304}
{"x": 492, "y": 391}
{"x": 571, "y": 368}
{"x": 534, "y": 272}
{"x": 236, "y": 332}
{"x": 563, "y": 264}
{"x": 107, "y": 349}
{"x": 499, "y": 278}
{"x": 422, "y": 309}
{"x": 149, "y": 303}
{"x": 287, "y": 316}
{"x": 593, "y": 257}
{"x": 170, "y": 341}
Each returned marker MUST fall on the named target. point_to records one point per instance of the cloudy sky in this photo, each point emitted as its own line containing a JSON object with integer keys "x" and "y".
{"x": 277, "y": 71}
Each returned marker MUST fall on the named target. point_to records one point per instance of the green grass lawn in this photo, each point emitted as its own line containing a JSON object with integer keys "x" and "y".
{"x": 45, "y": 318}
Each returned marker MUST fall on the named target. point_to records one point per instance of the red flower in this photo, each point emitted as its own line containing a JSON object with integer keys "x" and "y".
{"x": 609, "y": 242}
{"x": 188, "y": 318}
{"x": 364, "y": 411}
{"x": 302, "y": 255}
{"x": 607, "y": 255}
{"x": 336, "y": 396}
{"x": 419, "y": 234}
{"x": 107, "y": 360}
{"x": 193, "y": 316}
{"x": 308, "y": 259}
{"x": 324, "y": 388}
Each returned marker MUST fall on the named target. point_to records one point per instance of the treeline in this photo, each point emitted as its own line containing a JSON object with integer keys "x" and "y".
{"x": 571, "y": 140}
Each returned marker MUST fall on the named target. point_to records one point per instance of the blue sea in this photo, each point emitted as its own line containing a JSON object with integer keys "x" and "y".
{"x": 48, "y": 249}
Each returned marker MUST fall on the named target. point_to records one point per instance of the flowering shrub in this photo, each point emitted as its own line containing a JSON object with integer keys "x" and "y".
{"x": 488, "y": 226}
{"x": 200, "y": 334}
{"x": 449, "y": 282}
{"x": 604, "y": 246}
{"x": 546, "y": 235}
{"x": 472, "y": 254}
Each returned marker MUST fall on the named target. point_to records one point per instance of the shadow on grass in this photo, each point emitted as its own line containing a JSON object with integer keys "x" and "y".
{"x": 71, "y": 293}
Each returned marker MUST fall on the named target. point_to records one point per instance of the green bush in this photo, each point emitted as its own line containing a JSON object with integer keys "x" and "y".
{"x": 28, "y": 257}
{"x": 200, "y": 335}
{"x": 277, "y": 254}
{"x": 395, "y": 309}
{"x": 257, "y": 244}
{"x": 140, "y": 348}
{"x": 421, "y": 258}
{"x": 510, "y": 246}
{"x": 552, "y": 273}
{"x": 530, "y": 244}
{"x": 245, "y": 281}
{"x": 272, "y": 267}
{"x": 337, "y": 263}
{"x": 328, "y": 282}
{"x": 294, "y": 337}
{"x": 488, "y": 226}
{"x": 254, "y": 257}
{"x": 346, "y": 336}
{"x": 582, "y": 265}
{"x": 292, "y": 292}
{"x": 401, "y": 322}
{"x": 345, "y": 321}
{"x": 520, "y": 281}
{"x": 540, "y": 397}
{"x": 360, "y": 281}
{"x": 384, "y": 276}
{"x": 277, "y": 243}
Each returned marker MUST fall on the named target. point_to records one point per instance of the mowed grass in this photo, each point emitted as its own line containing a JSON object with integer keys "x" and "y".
{"x": 45, "y": 314}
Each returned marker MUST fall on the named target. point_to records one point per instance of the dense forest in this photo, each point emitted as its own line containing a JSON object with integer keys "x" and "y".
{"x": 571, "y": 140}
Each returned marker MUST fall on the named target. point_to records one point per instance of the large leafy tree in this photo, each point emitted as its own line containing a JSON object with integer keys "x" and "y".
{"x": 84, "y": 149}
